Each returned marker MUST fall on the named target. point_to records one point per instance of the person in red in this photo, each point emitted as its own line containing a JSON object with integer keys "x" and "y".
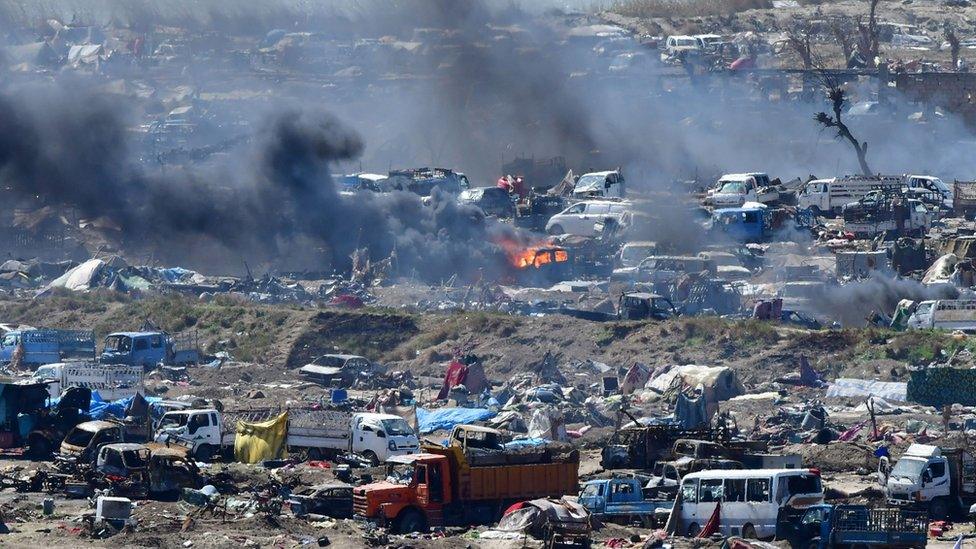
{"x": 513, "y": 185}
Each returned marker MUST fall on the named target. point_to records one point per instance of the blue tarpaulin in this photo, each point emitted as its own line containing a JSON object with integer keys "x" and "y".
{"x": 429, "y": 421}
{"x": 100, "y": 409}
{"x": 525, "y": 443}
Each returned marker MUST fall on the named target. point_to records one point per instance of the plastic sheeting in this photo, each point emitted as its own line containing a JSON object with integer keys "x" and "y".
{"x": 256, "y": 442}
{"x": 429, "y": 421}
{"x": 888, "y": 390}
{"x": 79, "y": 278}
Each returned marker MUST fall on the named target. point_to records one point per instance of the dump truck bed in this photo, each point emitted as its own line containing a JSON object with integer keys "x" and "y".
{"x": 511, "y": 482}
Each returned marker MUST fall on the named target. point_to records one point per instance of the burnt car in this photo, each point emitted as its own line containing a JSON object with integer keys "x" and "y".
{"x": 337, "y": 370}
{"x": 331, "y": 500}
{"x": 491, "y": 200}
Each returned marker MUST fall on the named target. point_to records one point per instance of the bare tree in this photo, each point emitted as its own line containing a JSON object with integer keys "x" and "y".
{"x": 843, "y": 33}
{"x": 954, "y": 45}
{"x": 798, "y": 36}
{"x": 868, "y": 34}
{"x": 838, "y": 98}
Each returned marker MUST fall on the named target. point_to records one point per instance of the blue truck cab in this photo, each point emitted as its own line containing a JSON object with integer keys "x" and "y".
{"x": 621, "y": 500}
{"x": 826, "y": 526}
{"x": 147, "y": 349}
{"x": 47, "y": 346}
{"x": 745, "y": 224}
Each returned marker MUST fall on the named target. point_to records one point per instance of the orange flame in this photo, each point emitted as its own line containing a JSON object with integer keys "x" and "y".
{"x": 534, "y": 255}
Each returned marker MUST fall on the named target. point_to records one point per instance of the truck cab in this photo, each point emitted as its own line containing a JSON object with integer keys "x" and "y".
{"x": 924, "y": 476}
{"x": 148, "y": 349}
{"x": 620, "y": 499}
{"x": 609, "y": 184}
{"x": 735, "y": 189}
{"x": 750, "y": 223}
{"x": 927, "y": 184}
{"x": 201, "y": 430}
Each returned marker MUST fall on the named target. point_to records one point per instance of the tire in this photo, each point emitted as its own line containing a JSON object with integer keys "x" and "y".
{"x": 749, "y": 532}
{"x": 939, "y": 509}
{"x": 692, "y": 530}
{"x": 314, "y": 454}
{"x": 556, "y": 229}
{"x": 204, "y": 453}
{"x": 410, "y": 520}
{"x": 371, "y": 458}
{"x": 38, "y": 448}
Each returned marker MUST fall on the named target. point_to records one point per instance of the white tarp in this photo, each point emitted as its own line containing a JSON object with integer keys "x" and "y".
{"x": 888, "y": 390}
{"x": 79, "y": 278}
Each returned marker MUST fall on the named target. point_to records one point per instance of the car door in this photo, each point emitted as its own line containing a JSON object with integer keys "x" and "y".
{"x": 590, "y": 217}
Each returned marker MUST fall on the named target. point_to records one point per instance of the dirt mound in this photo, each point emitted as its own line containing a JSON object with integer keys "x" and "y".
{"x": 362, "y": 333}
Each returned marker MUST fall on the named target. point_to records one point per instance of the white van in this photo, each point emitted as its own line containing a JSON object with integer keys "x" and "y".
{"x": 944, "y": 314}
{"x": 581, "y": 218}
{"x": 676, "y": 47}
{"x": 751, "y": 499}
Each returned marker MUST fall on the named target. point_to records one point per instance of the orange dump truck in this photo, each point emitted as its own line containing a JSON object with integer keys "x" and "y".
{"x": 445, "y": 489}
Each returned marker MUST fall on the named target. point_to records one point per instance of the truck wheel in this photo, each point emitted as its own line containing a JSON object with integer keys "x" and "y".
{"x": 693, "y": 530}
{"x": 556, "y": 229}
{"x": 749, "y": 532}
{"x": 939, "y": 509}
{"x": 38, "y": 448}
{"x": 314, "y": 454}
{"x": 409, "y": 521}
{"x": 204, "y": 453}
{"x": 371, "y": 458}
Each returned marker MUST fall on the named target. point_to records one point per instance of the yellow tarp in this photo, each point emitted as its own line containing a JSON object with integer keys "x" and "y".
{"x": 260, "y": 441}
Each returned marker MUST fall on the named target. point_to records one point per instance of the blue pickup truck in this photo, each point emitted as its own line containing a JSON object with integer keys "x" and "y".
{"x": 828, "y": 526}
{"x": 148, "y": 349}
{"x": 42, "y": 346}
{"x": 622, "y": 500}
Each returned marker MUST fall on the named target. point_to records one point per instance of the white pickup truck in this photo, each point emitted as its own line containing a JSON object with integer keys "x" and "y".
{"x": 735, "y": 189}
{"x": 830, "y": 195}
{"x": 320, "y": 433}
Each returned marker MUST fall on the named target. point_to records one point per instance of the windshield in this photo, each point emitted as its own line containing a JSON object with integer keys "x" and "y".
{"x": 118, "y": 343}
{"x": 734, "y": 187}
{"x": 633, "y": 254}
{"x": 136, "y": 459}
{"x": 328, "y": 360}
{"x": 46, "y": 372}
{"x": 471, "y": 194}
{"x": 9, "y": 340}
{"x": 79, "y": 437}
{"x": 399, "y": 473}
{"x": 685, "y": 42}
{"x": 396, "y": 427}
{"x": 173, "y": 420}
{"x": 590, "y": 182}
{"x": 908, "y": 468}
{"x": 591, "y": 490}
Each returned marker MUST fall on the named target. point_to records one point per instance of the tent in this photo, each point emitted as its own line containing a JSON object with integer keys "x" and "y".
{"x": 256, "y": 442}
{"x": 79, "y": 278}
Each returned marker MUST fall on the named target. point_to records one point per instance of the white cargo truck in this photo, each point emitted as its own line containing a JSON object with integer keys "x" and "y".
{"x": 318, "y": 433}
{"x": 941, "y": 480}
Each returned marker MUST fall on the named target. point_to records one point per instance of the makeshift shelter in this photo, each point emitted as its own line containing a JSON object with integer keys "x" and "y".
{"x": 256, "y": 442}
{"x": 719, "y": 382}
{"x": 468, "y": 372}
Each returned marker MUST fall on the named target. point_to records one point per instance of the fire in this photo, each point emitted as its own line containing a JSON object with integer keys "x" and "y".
{"x": 533, "y": 256}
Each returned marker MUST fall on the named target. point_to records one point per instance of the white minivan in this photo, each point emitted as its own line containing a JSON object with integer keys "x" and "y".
{"x": 750, "y": 499}
{"x": 581, "y": 218}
